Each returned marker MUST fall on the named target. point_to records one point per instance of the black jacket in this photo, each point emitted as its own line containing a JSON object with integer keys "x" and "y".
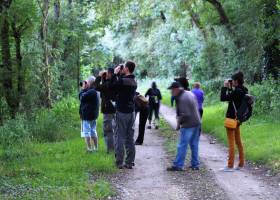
{"x": 125, "y": 88}
{"x": 154, "y": 96}
{"x": 233, "y": 95}
{"x": 108, "y": 96}
{"x": 89, "y": 104}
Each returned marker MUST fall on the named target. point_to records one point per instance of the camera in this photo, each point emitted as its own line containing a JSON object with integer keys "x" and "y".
{"x": 121, "y": 67}
{"x": 82, "y": 83}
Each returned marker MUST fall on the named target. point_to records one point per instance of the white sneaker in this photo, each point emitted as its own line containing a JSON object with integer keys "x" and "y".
{"x": 227, "y": 169}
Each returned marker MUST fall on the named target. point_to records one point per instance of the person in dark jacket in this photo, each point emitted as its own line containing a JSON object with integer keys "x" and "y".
{"x": 154, "y": 103}
{"x": 234, "y": 91}
{"x": 143, "y": 110}
{"x": 124, "y": 84}
{"x": 107, "y": 106}
{"x": 89, "y": 109}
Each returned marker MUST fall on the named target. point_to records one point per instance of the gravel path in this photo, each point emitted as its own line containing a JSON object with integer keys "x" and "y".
{"x": 149, "y": 180}
{"x": 242, "y": 185}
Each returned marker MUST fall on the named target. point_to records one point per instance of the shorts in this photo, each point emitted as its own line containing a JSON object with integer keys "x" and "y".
{"x": 88, "y": 128}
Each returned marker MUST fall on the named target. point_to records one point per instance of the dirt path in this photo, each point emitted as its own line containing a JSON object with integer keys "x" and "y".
{"x": 149, "y": 179}
{"x": 242, "y": 185}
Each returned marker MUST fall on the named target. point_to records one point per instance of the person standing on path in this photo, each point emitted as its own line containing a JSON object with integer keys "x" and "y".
{"x": 234, "y": 91}
{"x": 184, "y": 82}
{"x": 107, "y": 106}
{"x": 154, "y": 103}
{"x": 141, "y": 107}
{"x": 124, "y": 84}
{"x": 188, "y": 123}
{"x": 197, "y": 91}
{"x": 89, "y": 110}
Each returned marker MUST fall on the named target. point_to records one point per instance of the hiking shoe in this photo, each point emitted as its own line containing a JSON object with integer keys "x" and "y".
{"x": 194, "y": 168}
{"x": 138, "y": 143}
{"x": 149, "y": 127}
{"x": 120, "y": 166}
{"x": 173, "y": 168}
{"x": 128, "y": 166}
{"x": 227, "y": 169}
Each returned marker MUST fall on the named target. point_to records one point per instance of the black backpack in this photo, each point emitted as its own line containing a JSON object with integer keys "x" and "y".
{"x": 245, "y": 111}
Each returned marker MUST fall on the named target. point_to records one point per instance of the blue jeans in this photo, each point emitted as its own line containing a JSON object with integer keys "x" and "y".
{"x": 188, "y": 136}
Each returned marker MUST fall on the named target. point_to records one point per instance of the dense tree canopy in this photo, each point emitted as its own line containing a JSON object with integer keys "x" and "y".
{"x": 47, "y": 46}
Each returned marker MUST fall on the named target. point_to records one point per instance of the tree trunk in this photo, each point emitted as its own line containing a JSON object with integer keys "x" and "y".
{"x": 272, "y": 51}
{"x": 47, "y": 76}
{"x": 224, "y": 20}
{"x": 184, "y": 69}
{"x": 7, "y": 81}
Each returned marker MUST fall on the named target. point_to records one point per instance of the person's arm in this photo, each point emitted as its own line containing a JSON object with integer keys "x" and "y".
{"x": 172, "y": 101}
{"x": 87, "y": 96}
{"x": 159, "y": 95}
{"x": 147, "y": 93}
{"x": 226, "y": 94}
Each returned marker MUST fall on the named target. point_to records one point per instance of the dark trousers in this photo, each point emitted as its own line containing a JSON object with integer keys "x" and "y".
{"x": 201, "y": 114}
{"x": 154, "y": 109}
{"x": 143, "y": 116}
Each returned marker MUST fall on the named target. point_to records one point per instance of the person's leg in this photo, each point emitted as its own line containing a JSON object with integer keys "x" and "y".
{"x": 129, "y": 140}
{"x": 108, "y": 123}
{"x": 150, "y": 116}
{"x": 157, "y": 115}
{"x": 121, "y": 128}
{"x": 142, "y": 124}
{"x": 194, "y": 144}
{"x": 239, "y": 146}
{"x": 94, "y": 136}
{"x": 230, "y": 136}
{"x": 184, "y": 138}
{"x": 85, "y": 133}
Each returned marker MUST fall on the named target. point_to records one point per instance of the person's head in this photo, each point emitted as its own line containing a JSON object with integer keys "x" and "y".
{"x": 154, "y": 85}
{"x": 175, "y": 89}
{"x": 110, "y": 72}
{"x": 183, "y": 82}
{"x": 90, "y": 82}
{"x": 237, "y": 79}
{"x": 129, "y": 67}
{"x": 196, "y": 85}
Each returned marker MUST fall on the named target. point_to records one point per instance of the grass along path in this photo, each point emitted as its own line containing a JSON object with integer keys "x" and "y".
{"x": 261, "y": 137}
{"x": 58, "y": 170}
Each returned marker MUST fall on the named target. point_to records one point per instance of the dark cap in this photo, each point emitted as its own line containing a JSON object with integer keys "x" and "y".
{"x": 174, "y": 85}
{"x": 110, "y": 70}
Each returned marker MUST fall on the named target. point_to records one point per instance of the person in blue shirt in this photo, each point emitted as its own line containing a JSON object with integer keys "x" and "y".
{"x": 198, "y": 92}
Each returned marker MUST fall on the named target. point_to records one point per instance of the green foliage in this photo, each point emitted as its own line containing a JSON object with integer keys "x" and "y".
{"x": 53, "y": 170}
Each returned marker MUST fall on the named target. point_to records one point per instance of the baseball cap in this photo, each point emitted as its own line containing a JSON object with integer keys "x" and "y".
{"x": 174, "y": 85}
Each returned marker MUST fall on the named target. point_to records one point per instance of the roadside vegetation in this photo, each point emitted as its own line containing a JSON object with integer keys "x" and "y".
{"x": 43, "y": 157}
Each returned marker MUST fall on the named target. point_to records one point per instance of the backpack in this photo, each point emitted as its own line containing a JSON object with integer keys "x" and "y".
{"x": 245, "y": 111}
{"x": 141, "y": 101}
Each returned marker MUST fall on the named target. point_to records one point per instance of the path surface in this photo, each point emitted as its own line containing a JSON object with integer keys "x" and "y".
{"x": 242, "y": 185}
{"x": 149, "y": 179}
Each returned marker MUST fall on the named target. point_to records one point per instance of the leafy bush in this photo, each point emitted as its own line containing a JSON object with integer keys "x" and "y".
{"x": 44, "y": 125}
{"x": 267, "y": 96}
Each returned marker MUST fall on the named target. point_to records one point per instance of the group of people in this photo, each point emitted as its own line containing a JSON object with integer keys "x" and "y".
{"x": 120, "y": 102}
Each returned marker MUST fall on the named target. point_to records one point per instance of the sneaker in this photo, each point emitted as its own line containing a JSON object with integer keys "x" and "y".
{"x": 120, "y": 166}
{"x": 194, "y": 168}
{"x": 149, "y": 127}
{"x": 227, "y": 169}
{"x": 239, "y": 168}
{"x": 173, "y": 168}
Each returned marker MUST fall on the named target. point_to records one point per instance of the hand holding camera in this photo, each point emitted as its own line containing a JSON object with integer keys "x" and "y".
{"x": 228, "y": 83}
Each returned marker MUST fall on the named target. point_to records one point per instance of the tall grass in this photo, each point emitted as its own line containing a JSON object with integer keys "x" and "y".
{"x": 50, "y": 162}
